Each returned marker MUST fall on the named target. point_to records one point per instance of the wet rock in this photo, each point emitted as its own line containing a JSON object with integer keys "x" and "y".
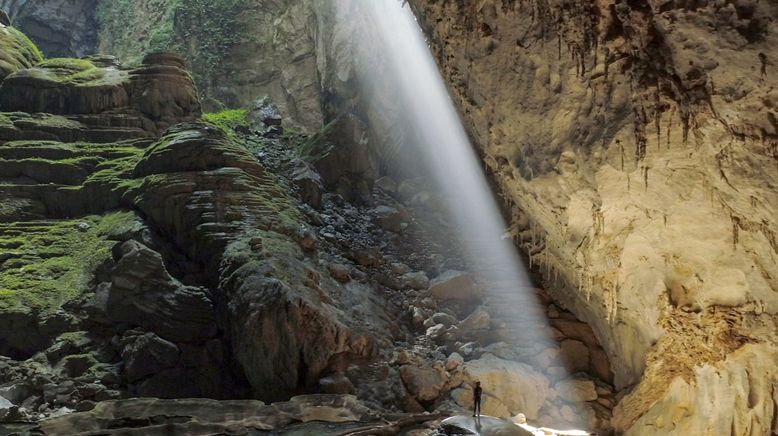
{"x": 576, "y": 390}
{"x": 424, "y": 383}
{"x": 454, "y": 285}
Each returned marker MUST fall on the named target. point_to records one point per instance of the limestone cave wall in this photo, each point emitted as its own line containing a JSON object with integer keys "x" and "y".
{"x": 636, "y": 144}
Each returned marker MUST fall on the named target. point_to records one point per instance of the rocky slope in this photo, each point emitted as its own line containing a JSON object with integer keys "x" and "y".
{"x": 635, "y": 143}
{"x": 143, "y": 244}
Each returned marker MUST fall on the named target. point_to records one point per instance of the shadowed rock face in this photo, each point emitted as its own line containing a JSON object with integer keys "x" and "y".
{"x": 635, "y": 145}
{"x": 60, "y": 28}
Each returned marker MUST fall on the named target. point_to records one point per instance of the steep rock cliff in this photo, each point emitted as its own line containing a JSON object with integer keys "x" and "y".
{"x": 58, "y": 27}
{"x": 635, "y": 143}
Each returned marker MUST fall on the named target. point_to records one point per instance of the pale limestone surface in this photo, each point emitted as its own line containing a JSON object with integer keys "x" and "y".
{"x": 637, "y": 146}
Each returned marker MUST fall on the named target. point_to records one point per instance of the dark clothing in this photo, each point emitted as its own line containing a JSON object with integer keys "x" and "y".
{"x": 477, "y": 401}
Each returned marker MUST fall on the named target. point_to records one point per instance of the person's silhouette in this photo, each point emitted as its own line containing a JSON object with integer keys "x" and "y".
{"x": 477, "y": 391}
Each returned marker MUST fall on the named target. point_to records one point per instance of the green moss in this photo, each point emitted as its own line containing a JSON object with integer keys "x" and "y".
{"x": 16, "y": 51}
{"x": 52, "y": 262}
{"x": 230, "y": 119}
{"x": 69, "y": 70}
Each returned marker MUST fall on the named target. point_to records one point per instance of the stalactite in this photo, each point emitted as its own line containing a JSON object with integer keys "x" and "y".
{"x": 735, "y": 230}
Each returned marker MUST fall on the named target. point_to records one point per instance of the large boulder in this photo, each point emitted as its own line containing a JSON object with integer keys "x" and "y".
{"x": 283, "y": 337}
{"x": 423, "y": 382}
{"x": 143, "y": 293}
{"x": 454, "y": 285}
{"x": 509, "y": 387}
{"x": 147, "y": 354}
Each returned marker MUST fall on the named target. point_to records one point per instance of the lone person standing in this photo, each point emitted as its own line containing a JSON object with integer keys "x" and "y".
{"x": 477, "y": 391}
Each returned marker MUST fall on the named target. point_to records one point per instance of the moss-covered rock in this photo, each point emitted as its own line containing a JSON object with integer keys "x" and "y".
{"x": 151, "y": 97}
{"x": 16, "y": 51}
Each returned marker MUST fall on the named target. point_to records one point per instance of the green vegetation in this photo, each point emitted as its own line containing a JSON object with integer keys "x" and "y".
{"x": 228, "y": 120}
{"x": 48, "y": 263}
{"x": 203, "y": 30}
